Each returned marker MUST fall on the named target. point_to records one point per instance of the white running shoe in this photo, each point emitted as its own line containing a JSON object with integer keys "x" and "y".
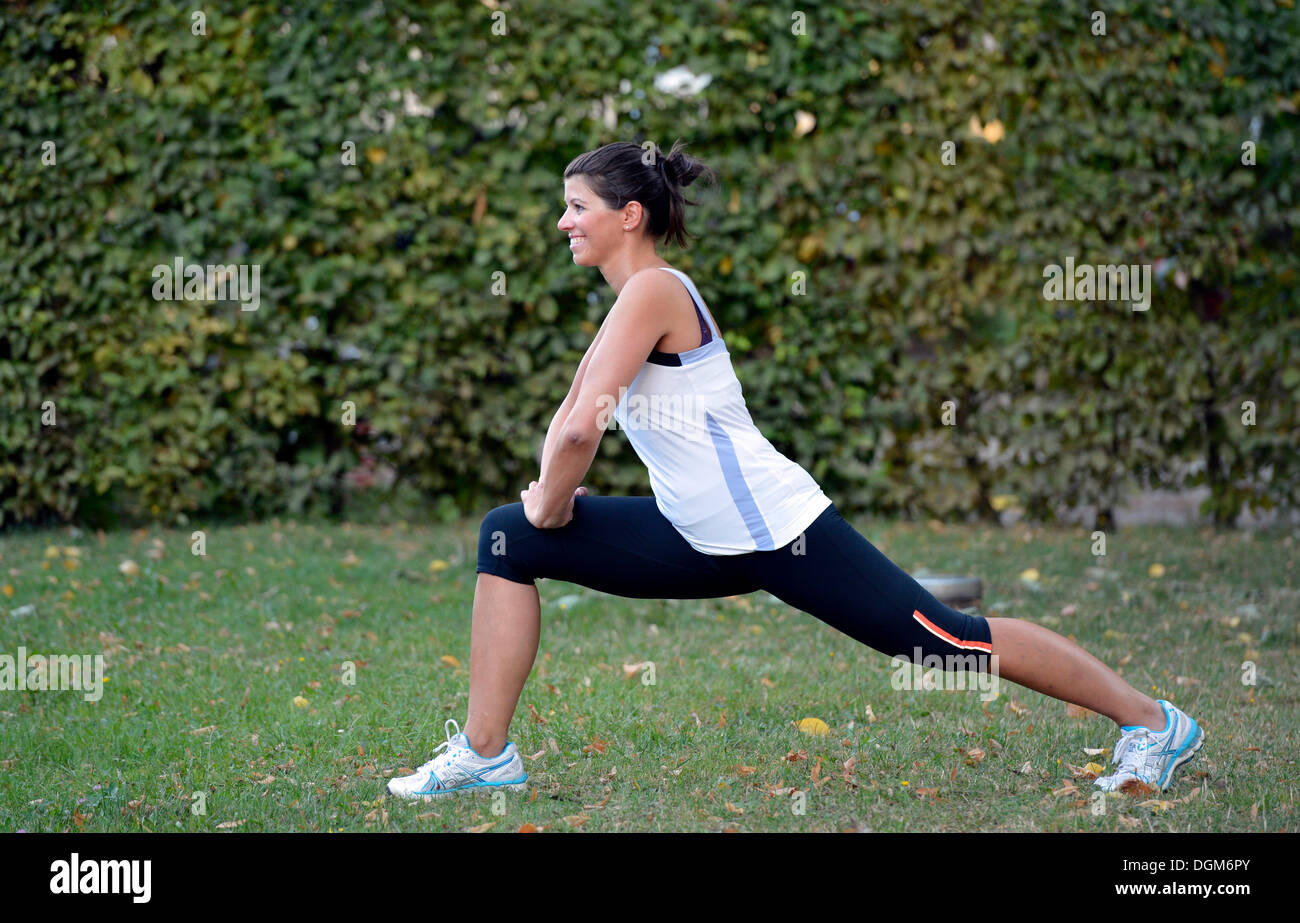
{"x": 459, "y": 769}
{"x": 1151, "y": 757}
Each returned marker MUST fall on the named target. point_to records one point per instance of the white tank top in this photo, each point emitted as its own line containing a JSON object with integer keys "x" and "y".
{"x": 715, "y": 477}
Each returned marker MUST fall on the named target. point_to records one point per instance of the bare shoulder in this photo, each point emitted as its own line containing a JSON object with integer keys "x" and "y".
{"x": 650, "y": 288}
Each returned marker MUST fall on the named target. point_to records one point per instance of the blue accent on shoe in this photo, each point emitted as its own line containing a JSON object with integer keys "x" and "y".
{"x": 459, "y": 788}
{"x": 1194, "y": 741}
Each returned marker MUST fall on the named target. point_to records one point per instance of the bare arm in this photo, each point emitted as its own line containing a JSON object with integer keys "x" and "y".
{"x": 556, "y": 428}
{"x": 636, "y": 322}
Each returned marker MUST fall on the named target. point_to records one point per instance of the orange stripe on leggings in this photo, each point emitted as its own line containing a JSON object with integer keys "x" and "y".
{"x": 940, "y": 633}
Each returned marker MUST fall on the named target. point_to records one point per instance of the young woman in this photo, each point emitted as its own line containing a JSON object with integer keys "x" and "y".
{"x": 730, "y": 514}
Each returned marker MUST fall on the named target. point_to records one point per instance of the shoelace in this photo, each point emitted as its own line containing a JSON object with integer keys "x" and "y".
{"x": 451, "y": 748}
{"x": 1131, "y": 750}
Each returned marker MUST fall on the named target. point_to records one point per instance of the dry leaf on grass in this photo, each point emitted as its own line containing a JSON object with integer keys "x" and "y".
{"x": 1016, "y": 708}
{"x": 481, "y": 828}
{"x": 1136, "y": 787}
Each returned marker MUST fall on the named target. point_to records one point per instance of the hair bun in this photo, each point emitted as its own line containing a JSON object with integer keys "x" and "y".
{"x": 667, "y": 167}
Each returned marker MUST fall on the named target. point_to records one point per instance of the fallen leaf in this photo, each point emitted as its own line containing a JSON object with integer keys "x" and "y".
{"x": 1077, "y": 711}
{"x": 813, "y": 726}
{"x": 576, "y": 820}
{"x": 482, "y": 828}
{"x": 733, "y": 809}
{"x": 527, "y": 828}
{"x": 596, "y": 744}
{"x": 1137, "y": 787}
{"x": 450, "y": 660}
{"x": 229, "y": 825}
{"x": 1095, "y": 768}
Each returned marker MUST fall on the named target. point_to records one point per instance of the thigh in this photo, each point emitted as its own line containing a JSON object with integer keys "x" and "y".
{"x": 833, "y": 573}
{"x": 618, "y": 545}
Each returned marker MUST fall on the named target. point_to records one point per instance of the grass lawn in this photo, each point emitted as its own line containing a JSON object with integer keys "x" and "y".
{"x": 224, "y": 676}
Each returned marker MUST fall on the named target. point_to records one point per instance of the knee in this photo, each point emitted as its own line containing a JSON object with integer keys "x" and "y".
{"x": 497, "y": 537}
{"x": 501, "y": 524}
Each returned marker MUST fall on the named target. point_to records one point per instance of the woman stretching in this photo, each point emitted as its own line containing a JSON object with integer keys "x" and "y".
{"x": 730, "y": 515}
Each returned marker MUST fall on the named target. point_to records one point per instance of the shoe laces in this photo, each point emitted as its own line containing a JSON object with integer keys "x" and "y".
{"x": 1131, "y": 752}
{"x": 452, "y": 748}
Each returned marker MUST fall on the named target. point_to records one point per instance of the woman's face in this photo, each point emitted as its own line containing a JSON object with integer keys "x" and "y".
{"x": 595, "y": 231}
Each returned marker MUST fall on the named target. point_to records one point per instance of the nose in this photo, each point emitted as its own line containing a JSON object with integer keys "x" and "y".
{"x": 561, "y": 224}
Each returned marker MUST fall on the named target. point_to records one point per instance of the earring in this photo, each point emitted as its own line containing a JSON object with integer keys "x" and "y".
{"x": 626, "y": 228}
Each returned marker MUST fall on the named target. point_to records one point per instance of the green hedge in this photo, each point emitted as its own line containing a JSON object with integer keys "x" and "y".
{"x": 924, "y": 281}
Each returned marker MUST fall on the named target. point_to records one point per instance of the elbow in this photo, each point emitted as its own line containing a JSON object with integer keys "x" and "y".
{"x": 578, "y": 436}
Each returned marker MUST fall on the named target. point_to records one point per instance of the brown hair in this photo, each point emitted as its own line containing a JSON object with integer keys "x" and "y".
{"x": 623, "y": 172}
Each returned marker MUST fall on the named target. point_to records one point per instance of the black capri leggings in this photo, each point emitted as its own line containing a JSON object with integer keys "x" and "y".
{"x": 624, "y": 546}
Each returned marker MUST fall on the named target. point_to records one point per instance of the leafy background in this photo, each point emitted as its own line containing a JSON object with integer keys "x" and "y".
{"x": 924, "y": 282}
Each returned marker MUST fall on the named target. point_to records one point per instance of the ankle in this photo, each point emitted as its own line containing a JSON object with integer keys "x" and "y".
{"x": 486, "y": 747}
{"x": 495, "y": 749}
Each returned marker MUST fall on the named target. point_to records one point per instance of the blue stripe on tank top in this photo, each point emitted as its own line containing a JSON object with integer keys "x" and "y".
{"x": 738, "y": 488}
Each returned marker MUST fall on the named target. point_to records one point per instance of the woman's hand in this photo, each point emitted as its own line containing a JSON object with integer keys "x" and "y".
{"x": 532, "y": 500}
